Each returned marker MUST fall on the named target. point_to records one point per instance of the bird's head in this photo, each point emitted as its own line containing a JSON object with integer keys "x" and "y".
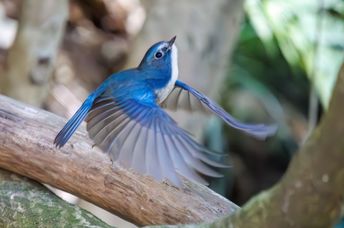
{"x": 160, "y": 55}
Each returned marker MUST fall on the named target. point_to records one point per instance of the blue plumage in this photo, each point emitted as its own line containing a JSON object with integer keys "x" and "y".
{"x": 260, "y": 131}
{"x": 68, "y": 130}
{"x": 125, "y": 119}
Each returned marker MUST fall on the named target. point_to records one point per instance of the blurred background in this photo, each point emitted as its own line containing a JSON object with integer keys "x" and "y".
{"x": 263, "y": 60}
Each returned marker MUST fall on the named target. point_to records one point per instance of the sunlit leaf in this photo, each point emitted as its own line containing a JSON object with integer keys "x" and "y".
{"x": 310, "y": 36}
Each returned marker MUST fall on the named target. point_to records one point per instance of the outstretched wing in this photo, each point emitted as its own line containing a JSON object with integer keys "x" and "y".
{"x": 186, "y": 97}
{"x": 143, "y": 137}
{"x": 180, "y": 98}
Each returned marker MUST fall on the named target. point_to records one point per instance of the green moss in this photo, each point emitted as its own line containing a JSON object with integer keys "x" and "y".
{"x": 25, "y": 203}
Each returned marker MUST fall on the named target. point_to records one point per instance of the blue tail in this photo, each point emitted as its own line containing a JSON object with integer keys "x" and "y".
{"x": 67, "y": 131}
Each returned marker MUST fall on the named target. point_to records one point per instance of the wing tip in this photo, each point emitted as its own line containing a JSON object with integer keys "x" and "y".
{"x": 265, "y": 132}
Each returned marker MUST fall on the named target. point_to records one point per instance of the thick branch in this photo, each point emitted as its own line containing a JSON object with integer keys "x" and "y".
{"x": 26, "y": 136}
{"x": 25, "y": 203}
{"x": 312, "y": 191}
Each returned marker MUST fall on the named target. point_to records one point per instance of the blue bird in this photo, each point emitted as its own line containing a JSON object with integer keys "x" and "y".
{"x": 125, "y": 119}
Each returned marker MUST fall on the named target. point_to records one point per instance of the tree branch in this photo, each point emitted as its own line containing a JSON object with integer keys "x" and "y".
{"x": 26, "y": 136}
{"x": 25, "y": 203}
{"x": 312, "y": 191}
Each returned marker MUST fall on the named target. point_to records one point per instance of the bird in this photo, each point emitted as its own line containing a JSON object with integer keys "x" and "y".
{"x": 126, "y": 118}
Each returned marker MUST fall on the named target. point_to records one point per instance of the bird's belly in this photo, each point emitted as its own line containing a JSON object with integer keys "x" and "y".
{"x": 163, "y": 93}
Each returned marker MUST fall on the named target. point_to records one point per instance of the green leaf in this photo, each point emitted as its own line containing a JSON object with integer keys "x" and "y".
{"x": 309, "y": 38}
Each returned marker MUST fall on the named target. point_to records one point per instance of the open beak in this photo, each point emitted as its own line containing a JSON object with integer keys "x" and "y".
{"x": 171, "y": 42}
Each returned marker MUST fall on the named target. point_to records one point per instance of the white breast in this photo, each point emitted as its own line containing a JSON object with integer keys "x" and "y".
{"x": 163, "y": 93}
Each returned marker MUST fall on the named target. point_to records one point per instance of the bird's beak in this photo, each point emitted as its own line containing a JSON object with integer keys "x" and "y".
{"x": 171, "y": 42}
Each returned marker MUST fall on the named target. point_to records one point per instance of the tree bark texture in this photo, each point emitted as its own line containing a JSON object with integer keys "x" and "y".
{"x": 26, "y": 148}
{"x": 311, "y": 193}
{"x": 30, "y": 61}
{"x": 206, "y": 34}
{"x": 25, "y": 203}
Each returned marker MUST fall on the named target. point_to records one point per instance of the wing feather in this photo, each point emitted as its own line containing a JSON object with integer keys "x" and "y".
{"x": 139, "y": 151}
{"x": 152, "y": 158}
{"x": 170, "y": 166}
{"x": 175, "y": 100}
{"x": 182, "y": 99}
{"x": 183, "y": 167}
{"x": 143, "y": 137}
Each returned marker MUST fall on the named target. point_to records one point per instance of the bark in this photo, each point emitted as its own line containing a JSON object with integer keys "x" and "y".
{"x": 312, "y": 191}
{"x": 26, "y": 148}
{"x": 25, "y": 203}
{"x": 29, "y": 64}
{"x": 206, "y": 34}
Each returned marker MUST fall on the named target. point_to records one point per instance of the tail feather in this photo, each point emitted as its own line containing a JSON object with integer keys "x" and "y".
{"x": 67, "y": 131}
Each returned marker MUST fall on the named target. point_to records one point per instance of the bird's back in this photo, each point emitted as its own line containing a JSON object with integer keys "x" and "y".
{"x": 140, "y": 84}
{"x": 129, "y": 84}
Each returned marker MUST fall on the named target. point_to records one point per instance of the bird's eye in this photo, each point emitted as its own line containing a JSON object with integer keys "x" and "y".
{"x": 158, "y": 55}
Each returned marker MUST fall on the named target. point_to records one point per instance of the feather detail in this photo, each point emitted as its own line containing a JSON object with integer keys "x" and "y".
{"x": 68, "y": 130}
{"x": 143, "y": 137}
{"x": 176, "y": 100}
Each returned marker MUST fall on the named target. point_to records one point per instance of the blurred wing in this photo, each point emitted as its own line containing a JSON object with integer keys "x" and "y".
{"x": 177, "y": 99}
{"x": 143, "y": 137}
{"x": 182, "y": 99}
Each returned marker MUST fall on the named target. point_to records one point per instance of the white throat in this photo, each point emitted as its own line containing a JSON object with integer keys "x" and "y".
{"x": 163, "y": 93}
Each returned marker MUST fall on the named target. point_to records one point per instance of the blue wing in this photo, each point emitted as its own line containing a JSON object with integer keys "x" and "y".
{"x": 141, "y": 136}
{"x": 68, "y": 130}
{"x": 180, "y": 97}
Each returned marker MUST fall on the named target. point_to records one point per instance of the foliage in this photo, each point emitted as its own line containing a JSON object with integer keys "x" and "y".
{"x": 309, "y": 33}
{"x": 272, "y": 72}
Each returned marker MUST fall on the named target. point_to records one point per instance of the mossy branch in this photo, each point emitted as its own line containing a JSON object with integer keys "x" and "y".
{"x": 26, "y": 203}
{"x": 26, "y": 148}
